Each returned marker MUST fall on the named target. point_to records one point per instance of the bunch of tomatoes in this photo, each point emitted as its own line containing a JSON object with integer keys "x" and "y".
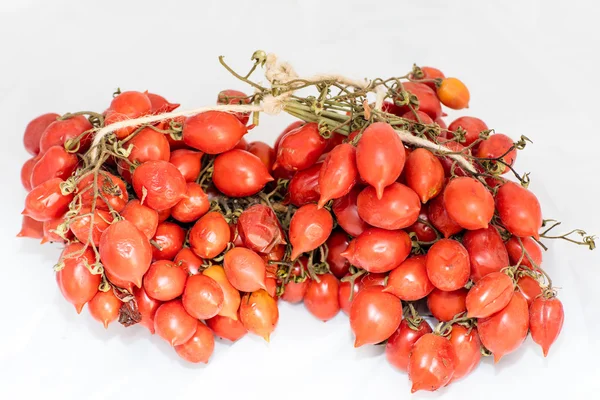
{"x": 187, "y": 229}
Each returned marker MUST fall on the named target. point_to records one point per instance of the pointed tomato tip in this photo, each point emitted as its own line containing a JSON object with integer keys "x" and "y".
{"x": 267, "y": 337}
{"x": 357, "y": 343}
{"x": 545, "y": 351}
{"x": 414, "y": 389}
{"x": 105, "y": 323}
{"x": 20, "y": 234}
{"x": 78, "y": 308}
{"x": 295, "y": 254}
{"x": 497, "y": 358}
{"x": 275, "y": 166}
{"x": 44, "y": 240}
{"x": 379, "y": 191}
{"x": 23, "y": 212}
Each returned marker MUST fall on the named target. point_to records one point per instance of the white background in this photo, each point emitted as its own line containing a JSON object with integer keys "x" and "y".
{"x": 532, "y": 68}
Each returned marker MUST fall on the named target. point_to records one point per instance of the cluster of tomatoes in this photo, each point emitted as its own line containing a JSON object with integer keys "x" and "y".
{"x": 184, "y": 227}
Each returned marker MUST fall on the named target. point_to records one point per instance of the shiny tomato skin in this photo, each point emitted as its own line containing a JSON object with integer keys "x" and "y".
{"x": 227, "y": 328}
{"x": 26, "y": 171}
{"x": 467, "y": 348}
{"x": 378, "y": 250}
{"x": 399, "y": 345}
{"x": 519, "y": 210}
{"x": 146, "y": 306}
{"x": 54, "y": 163}
{"x": 304, "y": 186}
{"x": 200, "y": 347}
{"x": 300, "y": 148}
{"x": 309, "y": 228}
{"x": 338, "y": 173}
{"x": 448, "y": 265}
{"x": 409, "y": 281}
{"x": 468, "y": 203}
{"x": 398, "y": 208}
{"x": 213, "y": 132}
{"x": 423, "y": 231}
{"x": 432, "y": 363}
{"x": 75, "y": 281}
{"x": 428, "y": 100}
{"x": 337, "y": 244}
{"x": 374, "y": 315}
{"x": 159, "y": 104}
{"x": 230, "y": 96}
{"x": 188, "y": 162}
{"x": 259, "y": 229}
{"x": 288, "y": 129}
{"x": 80, "y": 227}
{"x": 439, "y": 218}
{"x": 546, "y": 318}
{"x": 60, "y": 131}
{"x": 189, "y": 261}
{"x": 104, "y": 307}
{"x": 173, "y": 323}
{"x": 489, "y": 295}
{"x": 529, "y": 287}
{"x": 50, "y": 231}
{"x": 34, "y": 130}
{"x": 487, "y": 252}
{"x": 424, "y": 174}
{"x": 111, "y": 187}
{"x": 158, "y": 184}
{"x": 259, "y": 313}
{"x": 515, "y": 251}
{"x": 46, "y": 201}
{"x": 238, "y": 173}
{"x": 453, "y": 93}
{"x": 420, "y": 117}
{"x": 264, "y": 152}
{"x": 202, "y": 298}
{"x": 30, "y": 228}
{"x": 431, "y": 73}
{"x": 346, "y": 213}
{"x": 446, "y": 305}
{"x": 170, "y": 238}
{"x": 164, "y": 280}
{"x": 295, "y": 289}
{"x": 231, "y": 296}
{"x": 142, "y": 217}
{"x": 472, "y": 127}
{"x": 245, "y": 269}
{"x": 497, "y": 145}
{"x": 321, "y": 298}
{"x": 449, "y": 163}
{"x": 209, "y": 235}
{"x": 193, "y": 206}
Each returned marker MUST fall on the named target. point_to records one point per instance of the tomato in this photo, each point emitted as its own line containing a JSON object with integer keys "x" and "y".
{"x": 271, "y": 287}
{"x": 440, "y": 219}
{"x": 142, "y": 217}
{"x": 227, "y": 328}
{"x": 515, "y": 251}
{"x": 46, "y": 202}
{"x": 380, "y": 156}
{"x": 453, "y": 94}
{"x": 446, "y": 305}
{"x": 489, "y": 295}
{"x": 105, "y": 307}
{"x": 54, "y": 163}
{"x": 309, "y": 228}
{"x": 188, "y": 162}
{"x": 231, "y": 296}
{"x": 428, "y": 101}
{"x": 60, "y": 131}
{"x": 371, "y": 279}
{"x": 188, "y": 261}
{"x": 200, "y": 347}
{"x": 486, "y": 252}
{"x": 120, "y": 283}
{"x": 337, "y": 244}
{"x": 159, "y": 104}
{"x": 288, "y": 129}
{"x": 344, "y": 295}
{"x": 468, "y": 203}
{"x": 125, "y": 252}
{"x": 467, "y": 348}
{"x": 546, "y": 317}
{"x": 423, "y": 231}
{"x": 146, "y": 306}
{"x": 173, "y": 323}
{"x": 209, "y": 235}
{"x": 259, "y": 313}
{"x": 163, "y": 215}
{"x": 335, "y": 140}
{"x": 170, "y": 238}
{"x": 409, "y": 280}
{"x": 378, "y": 250}
{"x": 202, "y": 298}
{"x": 295, "y": 289}
{"x": 147, "y": 145}
{"x": 112, "y": 188}
{"x": 448, "y": 163}
{"x": 230, "y": 96}
{"x": 321, "y": 298}
{"x": 448, "y": 265}
{"x": 300, "y": 148}
{"x": 398, "y": 208}
{"x": 392, "y": 108}
{"x": 213, "y": 132}
{"x": 424, "y": 174}
{"x": 259, "y": 229}
{"x": 238, "y": 173}
{"x": 75, "y": 281}
{"x": 241, "y": 145}
{"x": 399, "y": 345}
{"x": 164, "y": 280}
{"x": 529, "y": 288}
{"x": 346, "y": 212}
{"x": 51, "y": 228}
{"x": 442, "y": 125}
{"x": 503, "y": 332}
{"x": 420, "y": 117}
{"x": 31, "y": 228}
{"x": 26, "y": 171}
{"x": 245, "y": 269}
{"x": 374, "y": 315}
{"x": 194, "y": 205}
{"x": 432, "y": 363}
{"x": 431, "y": 73}
{"x": 496, "y": 146}
{"x": 127, "y": 105}
{"x": 34, "y": 130}
{"x": 304, "y": 186}
{"x": 264, "y": 152}
{"x": 519, "y": 210}
{"x": 81, "y": 226}
{"x": 338, "y": 173}
{"x": 159, "y": 184}
{"x": 472, "y": 127}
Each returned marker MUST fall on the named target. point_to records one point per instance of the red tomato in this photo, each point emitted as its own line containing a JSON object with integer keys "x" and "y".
{"x": 335, "y": 139}
{"x": 496, "y": 146}
{"x": 194, "y": 205}
{"x": 489, "y": 295}
{"x": 147, "y": 145}
{"x": 304, "y": 186}
{"x": 467, "y": 348}
{"x": 271, "y": 287}
{"x": 309, "y": 228}
{"x": 82, "y": 225}
{"x": 338, "y": 173}
{"x": 163, "y": 215}
{"x": 431, "y": 73}
{"x": 503, "y": 332}
{"x": 371, "y": 279}
{"x": 75, "y": 281}
{"x": 200, "y": 347}
{"x": 202, "y": 298}
{"x": 230, "y": 96}
{"x": 428, "y": 100}
{"x": 127, "y": 105}
{"x": 346, "y": 213}
{"x": 227, "y": 328}
{"x": 31, "y": 228}
{"x": 380, "y": 156}
{"x": 231, "y": 296}
{"x": 142, "y": 217}
{"x": 241, "y": 145}
{"x": 519, "y": 210}
{"x": 378, "y": 250}
{"x": 238, "y": 173}
{"x": 421, "y": 117}
{"x": 173, "y": 323}
{"x": 300, "y": 148}
{"x": 105, "y": 307}
{"x": 264, "y": 152}
{"x": 164, "y": 280}
{"x": 213, "y": 132}
{"x": 159, "y": 184}
{"x": 26, "y": 171}
{"x": 468, "y": 203}
{"x": 146, "y": 306}
{"x": 159, "y": 104}
{"x": 210, "y": 235}
{"x": 453, "y": 94}
{"x": 54, "y": 163}
{"x": 295, "y": 289}
{"x": 399, "y": 345}
{"x": 374, "y": 315}
{"x": 472, "y": 127}
{"x": 60, "y": 131}
{"x": 424, "y": 232}
{"x": 259, "y": 313}
{"x": 245, "y": 269}
{"x": 34, "y": 131}
{"x": 120, "y": 283}
{"x": 46, "y": 202}
{"x": 51, "y": 229}
{"x": 112, "y": 188}
{"x": 337, "y": 244}
{"x": 344, "y": 295}
{"x": 392, "y": 108}
{"x": 188, "y": 162}
{"x": 424, "y": 174}
{"x": 448, "y": 163}
{"x": 515, "y": 251}
{"x": 259, "y": 229}
{"x": 546, "y": 321}
{"x": 442, "y": 125}
{"x": 440, "y": 219}
{"x": 409, "y": 280}
{"x": 446, "y": 305}
{"x": 321, "y": 298}
{"x": 486, "y": 252}
{"x": 170, "y": 238}
{"x": 432, "y": 363}
{"x": 398, "y": 208}
{"x": 125, "y": 252}
{"x": 188, "y": 261}
{"x": 529, "y": 288}
{"x": 448, "y": 266}
{"x": 288, "y": 129}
